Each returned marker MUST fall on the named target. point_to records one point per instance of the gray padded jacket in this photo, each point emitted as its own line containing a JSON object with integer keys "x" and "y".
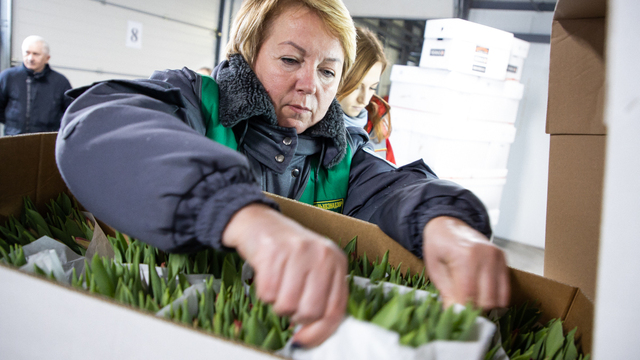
{"x": 134, "y": 154}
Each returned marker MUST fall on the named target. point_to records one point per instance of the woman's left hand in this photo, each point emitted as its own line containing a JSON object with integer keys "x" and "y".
{"x": 464, "y": 265}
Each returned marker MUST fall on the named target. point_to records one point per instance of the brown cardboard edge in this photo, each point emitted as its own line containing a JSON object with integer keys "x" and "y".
{"x": 554, "y": 298}
{"x": 341, "y": 229}
{"x": 564, "y": 104}
{"x": 12, "y": 191}
{"x": 132, "y": 308}
{"x": 576, "y": 175}
{"x": 580, "y": 9}
{"x": 580, "y": 314}
{"x": 564, "y": 301}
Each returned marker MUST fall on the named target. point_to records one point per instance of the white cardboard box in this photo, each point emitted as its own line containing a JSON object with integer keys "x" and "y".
{"x": 447, "y": 144}
{"x": 455, "y": 95}
{"x": 519, "y": 52}
{"x": 41, "y": 319}
{"x": 487, "y": 185}
{"x": 467, "y": 47}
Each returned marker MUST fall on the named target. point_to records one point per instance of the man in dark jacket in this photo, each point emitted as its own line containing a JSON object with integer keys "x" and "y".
{"x": 32, "y": 95}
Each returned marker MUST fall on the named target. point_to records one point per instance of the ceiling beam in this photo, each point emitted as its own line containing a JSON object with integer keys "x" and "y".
{"x": 513, "y": 5}
{"x": 534, "y": 38}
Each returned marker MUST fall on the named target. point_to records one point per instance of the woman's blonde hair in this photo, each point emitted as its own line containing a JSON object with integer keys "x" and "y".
{"x": 370, "y": 51}
{"x": 251, "y": 25}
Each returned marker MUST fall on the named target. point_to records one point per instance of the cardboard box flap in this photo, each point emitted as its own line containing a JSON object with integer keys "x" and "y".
{"x": 341, "y": 229}
{"x": 577, "y": 77}
{"x": 574, "y": 203}
{"x": 28, "y": 169}
{"x": 581, "y": 315}
{"x": 554, "y": 297}
{"x": 580, "y": 9}
{"x": 80, "y": 325}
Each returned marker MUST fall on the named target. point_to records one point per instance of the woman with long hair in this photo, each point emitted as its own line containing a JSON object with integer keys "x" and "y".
{"x": 361, "y": 106}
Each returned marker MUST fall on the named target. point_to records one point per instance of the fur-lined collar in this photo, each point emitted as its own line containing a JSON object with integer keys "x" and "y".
{"x": 243, "y": 97}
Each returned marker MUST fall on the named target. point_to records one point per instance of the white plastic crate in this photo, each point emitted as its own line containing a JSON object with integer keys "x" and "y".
{"x": 454, "y": 95}
{"x": 447, "y": 144}
{"x": 467, "y": 47}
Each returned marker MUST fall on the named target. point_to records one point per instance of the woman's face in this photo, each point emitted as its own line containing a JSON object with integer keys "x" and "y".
{"x": 353, "y": 103}
{"x": 300, "y": 65}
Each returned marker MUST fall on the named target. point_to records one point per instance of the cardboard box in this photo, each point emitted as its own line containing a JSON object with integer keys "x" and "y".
{"x": 448, "y": 144}
{"x": 519, "y": 52}
{"x": 574, "y": 202}
{"x": 43, "y": 319}
{"x": 577, "y": 147}
{"x": 577, "y": 68}
{"x": 467, "y": 47}
{"x": 444, "y": 92}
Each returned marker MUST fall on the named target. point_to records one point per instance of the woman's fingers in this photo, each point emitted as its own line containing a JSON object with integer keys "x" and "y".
{"x": 319, "y": 283}
{"x": 301, "y": 273}
{"x": 269, "y": 278}
{"x": 312, "y": 334}
{"x": 464, "y": 265}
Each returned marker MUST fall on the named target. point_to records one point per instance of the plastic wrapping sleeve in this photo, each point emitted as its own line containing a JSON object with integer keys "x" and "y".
{"x": 52, "y": 257}
{"x": 355, "y": 339}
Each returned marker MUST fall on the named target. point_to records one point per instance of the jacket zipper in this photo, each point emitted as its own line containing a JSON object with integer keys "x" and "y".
{"x": 28, "y": 112}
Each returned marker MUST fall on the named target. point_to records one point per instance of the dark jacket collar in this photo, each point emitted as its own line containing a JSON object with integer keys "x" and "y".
{"x": 38, "y": 75}
{"x": 243, "y": 97}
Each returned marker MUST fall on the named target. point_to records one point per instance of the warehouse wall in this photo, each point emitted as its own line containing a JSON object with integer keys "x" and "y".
{"x": 401, "y": 9}
{"x": 524, "y": 198}
{"x": 88, "y": 38}
{"x": 523, "y": 206}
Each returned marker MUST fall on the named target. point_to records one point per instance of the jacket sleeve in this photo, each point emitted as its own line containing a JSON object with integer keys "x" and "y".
{"x": 127, "y": 155}
{"x": 3, "y": 96}
{"x": 65, "y": 100}
{"x": 402, "y": 200}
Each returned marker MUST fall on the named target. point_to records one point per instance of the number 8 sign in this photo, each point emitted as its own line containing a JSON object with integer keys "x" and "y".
{"x": 134, "y": 34}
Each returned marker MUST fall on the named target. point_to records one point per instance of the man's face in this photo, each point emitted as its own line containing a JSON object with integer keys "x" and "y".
{"x": 34, "y": 57}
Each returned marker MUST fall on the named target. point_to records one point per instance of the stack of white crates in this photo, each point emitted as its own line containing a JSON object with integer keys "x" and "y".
{"x": 458, "y": 108}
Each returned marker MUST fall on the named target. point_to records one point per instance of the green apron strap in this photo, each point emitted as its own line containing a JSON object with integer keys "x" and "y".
{"x": 330, "y": 191}
{"x": 209, "y": 104}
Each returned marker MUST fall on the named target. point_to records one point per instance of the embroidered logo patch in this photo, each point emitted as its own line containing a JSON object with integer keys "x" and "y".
{"x": 332, "y": 205}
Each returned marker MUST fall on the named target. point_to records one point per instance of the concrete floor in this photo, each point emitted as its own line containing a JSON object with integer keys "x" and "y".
{"x": 521, "y": 256}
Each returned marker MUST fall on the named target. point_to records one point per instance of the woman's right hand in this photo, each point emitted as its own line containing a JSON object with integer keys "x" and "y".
{"x": 298, "y": 271}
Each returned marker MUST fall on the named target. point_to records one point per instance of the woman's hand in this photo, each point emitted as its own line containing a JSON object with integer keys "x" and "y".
{"x": 298, "y": 271}
{"x": 464, "y": 265}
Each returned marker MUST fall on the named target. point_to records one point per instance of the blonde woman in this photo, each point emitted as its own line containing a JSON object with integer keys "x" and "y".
{"x": 362, "y": 107}
{"x": 180, "y": 161}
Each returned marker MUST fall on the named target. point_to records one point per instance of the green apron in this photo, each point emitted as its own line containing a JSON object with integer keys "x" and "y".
{"x": 328, "y": 193}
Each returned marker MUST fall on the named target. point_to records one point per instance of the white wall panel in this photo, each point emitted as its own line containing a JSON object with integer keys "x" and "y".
{"x": 523, "y": 207}
{"x": 617, "y": 318}
{"x": 515, "y": 21}
{"x": 87, "y": 38}
{"x": 199, "y": 12}
{"x": 401, "y": 9}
